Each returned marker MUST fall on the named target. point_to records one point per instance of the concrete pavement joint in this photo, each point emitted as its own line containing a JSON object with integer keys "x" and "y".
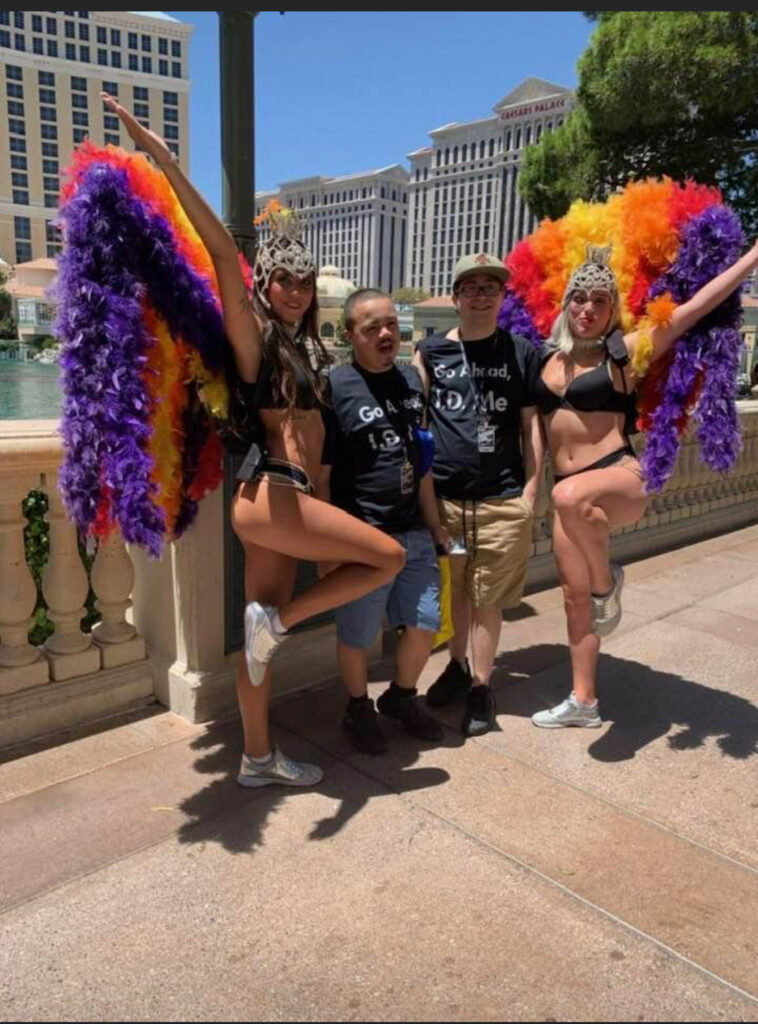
{"x": 504, "y": 854}
{"x": 91, "y": 771}
{"x": 462, "y": 830}
{"x": 668, "y": 950}
{"x": 619, "y": 808}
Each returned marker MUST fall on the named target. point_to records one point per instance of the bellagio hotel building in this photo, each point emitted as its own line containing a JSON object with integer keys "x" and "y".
{"x": 53, "y": 66}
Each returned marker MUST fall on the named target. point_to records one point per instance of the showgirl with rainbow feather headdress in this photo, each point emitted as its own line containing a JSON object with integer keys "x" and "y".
{"x": 637, "y": 294}
{"x": 169, "y": 337}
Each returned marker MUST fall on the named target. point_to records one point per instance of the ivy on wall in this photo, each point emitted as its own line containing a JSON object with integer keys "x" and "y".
{"x": 37, "y": 546}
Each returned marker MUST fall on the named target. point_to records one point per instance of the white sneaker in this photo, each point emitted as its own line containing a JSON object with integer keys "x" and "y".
{"x": 281, "y": 769}
{"x": 606, "y": 610}
{"x": 261, "y": 640}
{"x": 570, "y": 712}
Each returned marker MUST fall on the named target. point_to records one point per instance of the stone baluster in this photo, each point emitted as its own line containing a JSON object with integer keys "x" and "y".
{"x": 69, "y": 650}
{"x": 112, "y": 580}
{"x": 670, "y": 491}
{"x": 688, "y": 471}
{"x": 745, "y": 462}
{"x": 21, "y": 665}
{"x": 696, "y": 479}
{"x": 712, "y": 483}
{"x": 742, "y": 469}
{"x": 751, "y": 454}
{"x": 747, "y": 457}
{"x": 658, "y": 504}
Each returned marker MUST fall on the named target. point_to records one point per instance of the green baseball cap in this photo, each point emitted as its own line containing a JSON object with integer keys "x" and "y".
{"x": 479, "y": 263}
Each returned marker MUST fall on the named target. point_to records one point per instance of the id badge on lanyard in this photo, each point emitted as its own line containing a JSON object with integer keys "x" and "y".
{"x": 485, "y": 437}
{"x": 485, "y": 430}
{"x": 406, "y": 478}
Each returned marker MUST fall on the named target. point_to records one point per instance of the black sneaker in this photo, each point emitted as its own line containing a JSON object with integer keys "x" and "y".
{"x": 408, "y": 711}
{"x": 361, "y": 723}
{"x": 454, "y": 682}
{"x": 479, "y": 716}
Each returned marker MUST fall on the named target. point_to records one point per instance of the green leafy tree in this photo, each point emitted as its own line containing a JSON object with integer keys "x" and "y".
{"x": 7, "y": 323}
{"x": 42, "y": 342}
{"x": 341, "y": 331}
{"x": 562, "y": 167}
{"x": 407, "y": 296}
{"x": 660, "y": 92}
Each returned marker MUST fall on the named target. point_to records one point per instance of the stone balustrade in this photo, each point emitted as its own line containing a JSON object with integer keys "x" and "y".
{"x": 177, "y": 607}
{"x": 71, "y": 677}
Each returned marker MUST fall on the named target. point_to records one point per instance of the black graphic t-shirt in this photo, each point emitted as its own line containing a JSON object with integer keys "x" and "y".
{"x": 370, "y": 445}
{"x": 478, "y": 384}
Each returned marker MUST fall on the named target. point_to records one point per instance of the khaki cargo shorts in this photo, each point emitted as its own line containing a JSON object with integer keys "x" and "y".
{"x": 497, "y": 533}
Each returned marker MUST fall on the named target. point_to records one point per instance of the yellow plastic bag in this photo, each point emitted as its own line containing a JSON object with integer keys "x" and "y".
{"x": 446, "y": 615}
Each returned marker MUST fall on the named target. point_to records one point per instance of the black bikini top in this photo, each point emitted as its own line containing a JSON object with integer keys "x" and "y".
{"x": 262, "y": 394}
{"x": 592, "y": 391}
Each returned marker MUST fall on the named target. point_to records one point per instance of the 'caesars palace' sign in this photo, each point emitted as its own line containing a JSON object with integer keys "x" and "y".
{"x": 534, "y": 108}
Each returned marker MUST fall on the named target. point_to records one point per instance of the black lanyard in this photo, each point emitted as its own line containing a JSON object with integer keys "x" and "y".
{"x": 482, "y": 416}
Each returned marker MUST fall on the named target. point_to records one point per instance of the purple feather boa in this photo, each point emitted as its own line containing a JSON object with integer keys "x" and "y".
{"x": 114, "y": 243}
{"x": 710, "y": 243}
{"x": 106, "y": 406}
{"x": 718, "y": 430}
{"x": 515, "y": 318}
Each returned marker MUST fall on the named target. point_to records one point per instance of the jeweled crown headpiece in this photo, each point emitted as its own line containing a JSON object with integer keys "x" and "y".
{"x": 595, "y": 272}
{"x": 284, "y": 249}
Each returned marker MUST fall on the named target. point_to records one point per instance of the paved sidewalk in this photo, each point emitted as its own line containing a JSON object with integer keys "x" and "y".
{"x": 601, "y": 875}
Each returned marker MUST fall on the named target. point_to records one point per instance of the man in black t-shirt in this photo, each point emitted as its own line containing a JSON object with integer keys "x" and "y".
{"x": 374, "y": 468}
{"x": 488, "y": 455}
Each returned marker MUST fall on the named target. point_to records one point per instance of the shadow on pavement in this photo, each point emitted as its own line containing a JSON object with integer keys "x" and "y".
{"x": 225, "y": 813}
{"x": 637, "y": 703}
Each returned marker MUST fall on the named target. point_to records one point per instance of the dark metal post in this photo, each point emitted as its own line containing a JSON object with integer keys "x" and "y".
{"x": 237, "y": 127}
{"x": 237, "y": 212}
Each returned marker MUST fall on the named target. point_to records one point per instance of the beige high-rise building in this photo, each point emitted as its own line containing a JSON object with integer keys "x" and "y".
{"x": 53, "y": 66}
{"x": 463, "y": 188}
{"x": 355, "y": 222}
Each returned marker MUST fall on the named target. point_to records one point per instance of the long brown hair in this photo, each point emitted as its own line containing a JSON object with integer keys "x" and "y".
{"x": 281, "y": 351}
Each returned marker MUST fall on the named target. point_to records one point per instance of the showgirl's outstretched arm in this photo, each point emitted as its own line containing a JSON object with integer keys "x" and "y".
{"x": 240, "y": 323}
{"x": 702, "y": 302}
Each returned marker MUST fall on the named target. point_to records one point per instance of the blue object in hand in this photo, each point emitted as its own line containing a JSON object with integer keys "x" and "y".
{"x": 425, "y": 440}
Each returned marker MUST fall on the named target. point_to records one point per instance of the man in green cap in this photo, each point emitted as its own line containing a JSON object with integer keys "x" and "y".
{"x": 488, "y": 455}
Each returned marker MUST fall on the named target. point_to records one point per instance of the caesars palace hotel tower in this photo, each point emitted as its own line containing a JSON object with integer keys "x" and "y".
{"x": 463, "y": 189}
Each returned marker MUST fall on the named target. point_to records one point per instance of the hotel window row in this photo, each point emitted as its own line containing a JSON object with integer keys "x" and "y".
{"x": 337, "y": 198}
{"x": 80, "y": 127}
{"x": 512, "y": 142}
{"x": 83, "y": 53}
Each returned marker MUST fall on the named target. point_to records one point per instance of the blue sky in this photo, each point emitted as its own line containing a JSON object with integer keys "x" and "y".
{"x": 340, "y": 93}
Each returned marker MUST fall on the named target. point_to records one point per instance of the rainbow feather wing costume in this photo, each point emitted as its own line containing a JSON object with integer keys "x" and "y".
{"x": 144, "y": 354}
{"x": 668, "y": 241}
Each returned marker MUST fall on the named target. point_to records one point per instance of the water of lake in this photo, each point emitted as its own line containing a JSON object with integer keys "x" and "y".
{"x": 29, "y": 391}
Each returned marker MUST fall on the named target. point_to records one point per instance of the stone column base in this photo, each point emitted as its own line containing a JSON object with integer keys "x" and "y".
{"x": 306, "y": 658}
{"x": 23, "y": 677}
{"x": 69, "y": 666}
{"x": 113, "y": 655}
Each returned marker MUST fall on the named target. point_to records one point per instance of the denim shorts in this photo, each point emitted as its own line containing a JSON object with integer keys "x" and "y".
{"x": 411, "y": 599}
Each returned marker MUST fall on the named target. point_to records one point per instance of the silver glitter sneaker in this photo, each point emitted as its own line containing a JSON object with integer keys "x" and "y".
{"x": 570, "y": 712}
{"x": 280, "y": 769}
{"x": 606, "y": 610}
{"x": 261, "y": 640}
